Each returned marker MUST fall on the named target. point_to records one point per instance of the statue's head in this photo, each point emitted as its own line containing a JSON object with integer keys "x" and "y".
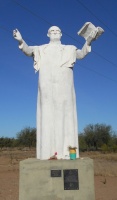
{"x": 54, "y": 33}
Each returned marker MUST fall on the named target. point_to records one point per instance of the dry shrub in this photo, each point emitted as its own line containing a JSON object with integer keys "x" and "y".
{"x": 104, "y": 164}
{"x": 14, "y": 156}
{"x": 105, "y": 168}
{"x": 99, "y": 155}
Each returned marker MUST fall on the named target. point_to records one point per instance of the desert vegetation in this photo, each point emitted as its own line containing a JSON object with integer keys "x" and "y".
{"x": 98, "y": 142}
{"x": 94, "y": 137}
{"x": 104, "y": 164}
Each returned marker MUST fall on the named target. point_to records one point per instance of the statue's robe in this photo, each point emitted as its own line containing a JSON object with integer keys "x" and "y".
{"x": 56, "y": 104}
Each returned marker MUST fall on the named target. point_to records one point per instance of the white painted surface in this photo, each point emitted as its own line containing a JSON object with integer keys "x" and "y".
{"x": 56, "y": 104}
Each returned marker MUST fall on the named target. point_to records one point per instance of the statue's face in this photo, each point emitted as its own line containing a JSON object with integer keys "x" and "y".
{"x": 54, "y": 33}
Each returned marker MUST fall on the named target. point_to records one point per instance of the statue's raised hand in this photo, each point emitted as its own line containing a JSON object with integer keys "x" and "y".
{"x": 17, "y": 35}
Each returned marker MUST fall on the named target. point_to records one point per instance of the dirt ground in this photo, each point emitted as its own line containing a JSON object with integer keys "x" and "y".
{"x": 105, "y": 186}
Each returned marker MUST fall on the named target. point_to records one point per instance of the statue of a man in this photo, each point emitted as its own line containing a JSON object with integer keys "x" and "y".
{"x": 56, "y": 103}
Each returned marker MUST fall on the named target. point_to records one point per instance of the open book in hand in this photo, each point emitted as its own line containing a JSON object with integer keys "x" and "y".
{"x": 88, "y": 29}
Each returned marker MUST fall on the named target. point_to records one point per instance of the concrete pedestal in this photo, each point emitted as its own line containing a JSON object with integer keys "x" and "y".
{"x": 48, "y": 180}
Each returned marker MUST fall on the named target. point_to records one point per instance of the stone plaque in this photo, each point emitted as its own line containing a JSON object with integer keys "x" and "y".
{"x": 55, "y": 173}
{"x": 71, "y": 179}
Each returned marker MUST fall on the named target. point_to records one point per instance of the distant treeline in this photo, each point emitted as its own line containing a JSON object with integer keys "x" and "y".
{"x": 25, "y": 138}
{"x": 93, "y": 138}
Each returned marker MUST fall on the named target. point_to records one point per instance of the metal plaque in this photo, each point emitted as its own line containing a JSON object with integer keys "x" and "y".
{"x": 55, "y": 173}
{"x": 71, "y": 179}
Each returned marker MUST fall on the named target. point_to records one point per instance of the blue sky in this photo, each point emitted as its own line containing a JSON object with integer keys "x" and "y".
{"x": 95, "y": 76}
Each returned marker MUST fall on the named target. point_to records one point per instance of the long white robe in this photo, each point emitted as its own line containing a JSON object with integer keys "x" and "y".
{"x": 56, "y": 104}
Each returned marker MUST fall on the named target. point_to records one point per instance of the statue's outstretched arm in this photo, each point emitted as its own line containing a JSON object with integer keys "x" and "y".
{"x": 28, "y": 50}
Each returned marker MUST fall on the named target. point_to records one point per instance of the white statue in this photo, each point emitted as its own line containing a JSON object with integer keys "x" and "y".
{"x": 56, "y": 104}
